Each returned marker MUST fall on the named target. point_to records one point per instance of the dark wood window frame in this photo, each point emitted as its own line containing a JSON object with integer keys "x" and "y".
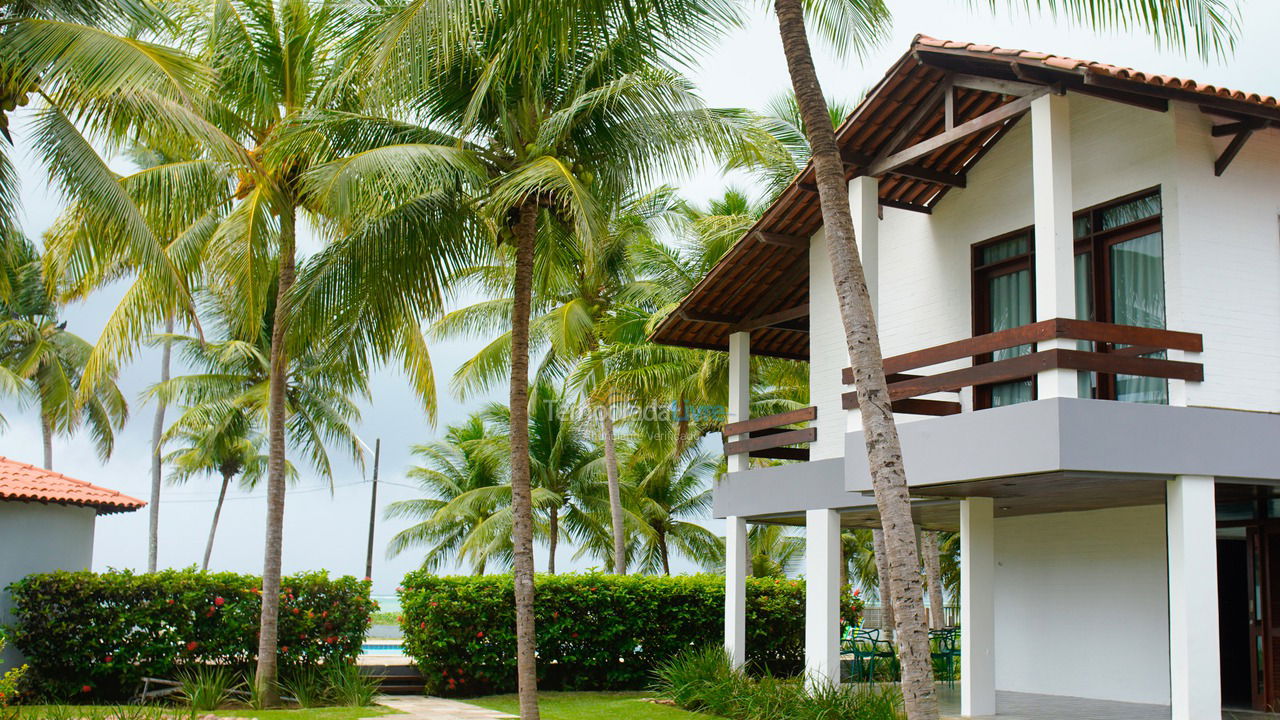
{"x": 1096, "y": 242}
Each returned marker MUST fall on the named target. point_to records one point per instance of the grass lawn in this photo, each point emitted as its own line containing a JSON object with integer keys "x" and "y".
{"x": 590, "y": 706}
{"x": 37, "y": 712}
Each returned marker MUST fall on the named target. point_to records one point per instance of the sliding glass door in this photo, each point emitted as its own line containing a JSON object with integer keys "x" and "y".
{"x": 1119, "y": 278}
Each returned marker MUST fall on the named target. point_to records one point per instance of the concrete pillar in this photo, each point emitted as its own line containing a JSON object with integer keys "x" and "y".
{"x": 1193, "y": 610}
{"x": 977, "y": 607}
{"x": 822, "y": 597}
{"x": 739, "y": 390}
{"x": 735, "y": 590}
{"x": 864, "y": 201}
{"x": 1055, "y": 255}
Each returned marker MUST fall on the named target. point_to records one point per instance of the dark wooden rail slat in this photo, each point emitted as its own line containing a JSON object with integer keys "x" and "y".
{"x": 782, "y": 453}
{"x": 909, "y": 406}
{"x": 791, "y": 437}
{"x": 790, "y": 417}
{"x": 1149, "y": 339}
{"x": 1113, "y": 364}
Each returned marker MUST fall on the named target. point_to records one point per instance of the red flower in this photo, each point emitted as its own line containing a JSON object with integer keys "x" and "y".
{"x": 480, "y": 634}
{"x": 399, "y": 618}
{"x": 435, "y": 604}
{"x": 296, "y": 611}
{"x": 170, "y": 601}
{"x": 219, "y": 602}
{"x": 106, "y": 659}
{"x": 86, "y": 689}
{"x": 331, "y": 640}
{"x": 574, "y": 635}
{"x": 857, "y": 591}
{"x": 191, "y": 646}
{"x": 284, "y": 649}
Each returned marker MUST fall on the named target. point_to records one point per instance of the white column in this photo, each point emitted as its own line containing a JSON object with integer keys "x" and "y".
{"x": 1193, "y": 611}
{"x": 739, "y": 390}
{"x": 735, "y": 590}
{"x": 977, "y": 608}
{"x": 864, "y": 202}
{"x": 822, "y": 597}
{"x": 1055, "y": 256}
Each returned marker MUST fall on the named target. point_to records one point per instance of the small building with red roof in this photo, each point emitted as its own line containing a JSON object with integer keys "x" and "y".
{"x": 47, "y": 522}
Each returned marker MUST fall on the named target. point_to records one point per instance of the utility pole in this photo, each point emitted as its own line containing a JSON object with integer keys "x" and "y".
{"x": 373, "y": 507}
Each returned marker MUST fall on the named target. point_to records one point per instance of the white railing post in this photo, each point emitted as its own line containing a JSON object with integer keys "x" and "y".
{"x": 739, "y": 391}
{"x": 1055, "y": 284}
{"x": 735, "y": 590}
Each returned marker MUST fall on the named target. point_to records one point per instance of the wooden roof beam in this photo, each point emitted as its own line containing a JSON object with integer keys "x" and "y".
{"x": 1233, "y": 148}
{"x": 772, "y": 319}
{"x": 857, "y": 161}
{"x": 925, "y": 148}
{"x": 993, "y": 85}
{"x": 925, "y": 108}
{"x": 797, "y": 242}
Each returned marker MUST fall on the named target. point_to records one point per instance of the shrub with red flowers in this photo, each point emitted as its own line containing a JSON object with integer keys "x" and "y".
{"x": 595, "y": 632}
{"x": 105, "y": 631}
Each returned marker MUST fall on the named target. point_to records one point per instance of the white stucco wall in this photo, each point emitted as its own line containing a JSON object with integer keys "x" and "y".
{"x": 38, "y": 538}
{"x": 1225, "y": 259}
{"x": 1081, "y": 604}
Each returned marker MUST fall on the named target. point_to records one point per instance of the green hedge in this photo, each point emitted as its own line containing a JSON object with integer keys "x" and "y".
{"x": 595, "y": 632}
{"x": 93, "y": 636}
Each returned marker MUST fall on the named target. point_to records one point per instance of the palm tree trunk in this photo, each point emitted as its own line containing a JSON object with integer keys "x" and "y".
{"x": 884, "y": 451}
{"x": 521, "y": 494}
{"x": 276, "y": 410}
{"x": 615, "y": 492}
{"x": 665, "y": 553}
{"x": 886, "y": 595}
{"x": 157, "y": 431}
{"x": 46, "y": 434}
{"x": 213, "y": 527}
{"x": 553, "y": 540}
{"x": 929, "y": 547}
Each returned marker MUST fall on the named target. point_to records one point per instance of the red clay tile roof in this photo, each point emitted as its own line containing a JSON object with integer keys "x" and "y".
{"x": 1059, "y": 62}
{"x": 24, "y": 482}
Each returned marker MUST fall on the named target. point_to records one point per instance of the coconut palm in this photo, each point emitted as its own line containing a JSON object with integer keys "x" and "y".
{"x": 462, "y": 518}
{"x": 578, "y": 292}
{"x": 532, "y": 124}
{"x": 216, "y": 438}
{"x": 180, "y": 196}
{"x": 44, "y": 362}
{"x": 96, "y": 75}
{"x": 563, "y": 464}
{"x": 847, "y": 25}
{"x": 665, "y": 494}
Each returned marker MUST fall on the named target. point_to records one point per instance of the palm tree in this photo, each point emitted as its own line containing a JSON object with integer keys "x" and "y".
{"x": 531, "y": 126}
{"x": 462, "y": 516}
{"x": 180, "y": 196}
{"x": 563, "y": 466}
{"x": 853, "y": 24}
{"x": 666, "y": 493}
{"x": 45, "y": 362}
{"x": 216, "y": 437}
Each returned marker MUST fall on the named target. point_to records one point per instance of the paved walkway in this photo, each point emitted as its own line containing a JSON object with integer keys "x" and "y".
{"x": 432, "y": 708}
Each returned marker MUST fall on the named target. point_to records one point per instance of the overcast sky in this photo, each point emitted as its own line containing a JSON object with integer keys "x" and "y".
{"x": 326, "y": 530}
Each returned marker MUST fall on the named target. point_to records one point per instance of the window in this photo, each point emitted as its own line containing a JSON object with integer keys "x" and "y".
{"x": 1119, "y": 271}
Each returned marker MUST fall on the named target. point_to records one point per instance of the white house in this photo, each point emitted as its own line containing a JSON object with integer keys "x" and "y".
{"x": 1076, "y": 270}
{"x": 46, "y": 523}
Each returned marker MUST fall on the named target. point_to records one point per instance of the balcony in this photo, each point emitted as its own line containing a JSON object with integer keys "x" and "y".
{"x": 1113, "y": 350}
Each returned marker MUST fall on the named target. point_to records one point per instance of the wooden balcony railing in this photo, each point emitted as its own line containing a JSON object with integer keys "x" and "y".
{"x": 1118, "y": 351}
{"x": 769, "y": 436}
